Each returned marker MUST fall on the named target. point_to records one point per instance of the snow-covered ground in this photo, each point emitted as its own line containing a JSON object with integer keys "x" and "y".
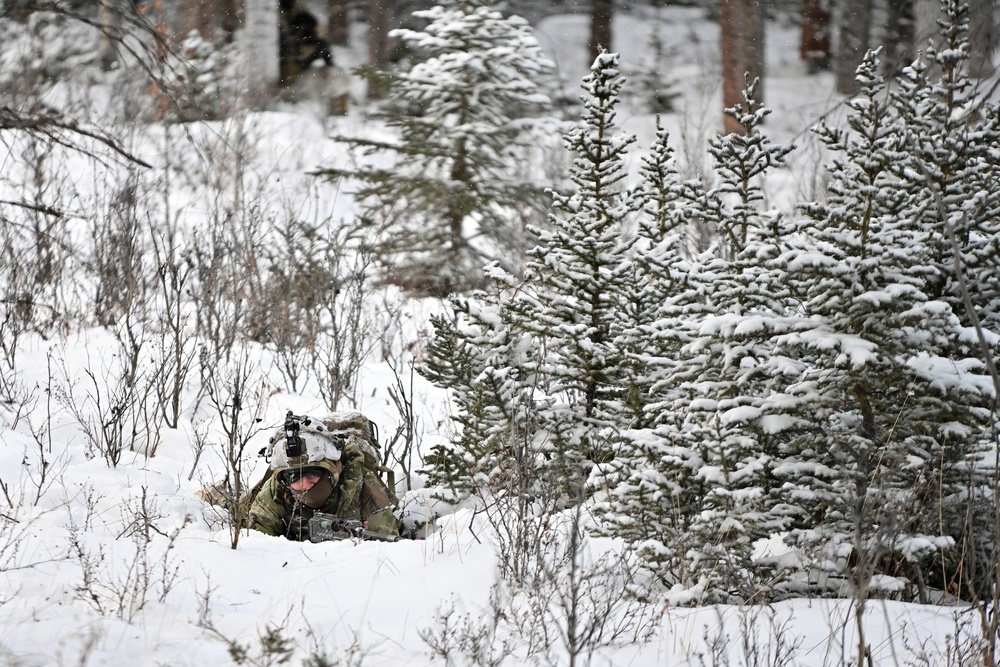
{"x": 80, "y": 583}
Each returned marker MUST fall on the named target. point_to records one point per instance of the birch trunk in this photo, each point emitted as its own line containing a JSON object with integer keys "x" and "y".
{"x": 259, "y": 46}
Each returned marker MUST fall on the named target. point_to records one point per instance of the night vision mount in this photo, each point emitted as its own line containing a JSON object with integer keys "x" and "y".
{"x": 293, "y": 443}
{"x": 303, "y": 438}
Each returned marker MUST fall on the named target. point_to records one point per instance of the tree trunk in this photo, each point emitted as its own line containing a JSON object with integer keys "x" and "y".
{"x": 260, "y": 46}
{"x": 600, "y": 28}
{"x": 380, "y": 20}
{"x": 898, "y": 52}
{"x": 229, "y": 19}
{"x": 855, "y": 20}
{"x": 815, "y": 47}
{"x": 110, "y": 20}
{"x": 338, "y": 23}
{"x": 742, "y": 32}
{"x": 982, "y": 38}
{"x": 195, "y": 16}
{"x": 378, "y": 33}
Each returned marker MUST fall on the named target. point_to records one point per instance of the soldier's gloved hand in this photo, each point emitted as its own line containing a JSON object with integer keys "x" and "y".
{"x": 298, "y": 528}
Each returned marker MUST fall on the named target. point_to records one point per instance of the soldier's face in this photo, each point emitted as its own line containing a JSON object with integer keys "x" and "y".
{"x": 304, "y": 483}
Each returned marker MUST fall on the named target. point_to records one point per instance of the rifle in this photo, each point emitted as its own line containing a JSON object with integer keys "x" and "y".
{"x": 324, "y": 527}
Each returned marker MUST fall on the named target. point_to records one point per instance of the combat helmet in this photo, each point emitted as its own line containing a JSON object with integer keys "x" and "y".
{"x": 301, "y": 443}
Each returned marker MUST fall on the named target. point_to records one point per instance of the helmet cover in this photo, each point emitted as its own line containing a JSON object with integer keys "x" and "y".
{"x": 300, "y": 442}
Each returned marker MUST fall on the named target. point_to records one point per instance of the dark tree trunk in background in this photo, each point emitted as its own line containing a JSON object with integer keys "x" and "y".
{"x": 229, "y": 19}
{"x": 982, "y": 38}
{"x": 855, "y": 21}
{"x": 600, "y": 27}
{"x": 742, "y": 33}
{"x": 898, "y": 52}
{"x": 815, "y": 47}
{"x": 380, "y": 22}
{"x": 378, "y": 32}
{"x": 195, "y": 16}
{"x": 212, "y": 19}
{"x": 338, "y": 23}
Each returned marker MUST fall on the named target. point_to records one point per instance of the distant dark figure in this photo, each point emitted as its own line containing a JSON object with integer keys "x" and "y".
{"x": 299, "y": 41}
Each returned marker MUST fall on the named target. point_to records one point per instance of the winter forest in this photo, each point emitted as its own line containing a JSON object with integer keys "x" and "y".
{"x": 679, "y": 323}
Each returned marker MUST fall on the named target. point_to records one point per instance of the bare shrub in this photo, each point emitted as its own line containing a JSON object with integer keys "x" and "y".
{"x": 44, "y": 469}
{"x": 576, "y": 604}
{"x": 238, "y": 397}
{"x": 222, "y": 271}
{"x": 311, "y": 305}
{"x": 275, "y": 643}
{"x": 175, "y": 346}
{"x": 16, "y": 307}
{"x": 123, "y": 587}
{"x": 559, "y": 599}
{"x": 16, "y": 400}
{"x": 45, "y": 46}
{"x": 964, "y": 647}
{"x": 296, "y": 284}
{"x": 37, "y": 253}
{"x": 764, "y": 641}
{"x": 469, "y": 638}
{"x": 567, "y": 606}
{"x": 16, "y": 534}
{"x": 118, "y": 411}
{"x": 403, "y": 445}
{"x": 273, "y": 646}
{"x": 345, "y": 340}
{"x": 117, "y": 259}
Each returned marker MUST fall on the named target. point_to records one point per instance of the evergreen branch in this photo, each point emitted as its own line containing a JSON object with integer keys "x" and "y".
{"x": 962, "y": 282}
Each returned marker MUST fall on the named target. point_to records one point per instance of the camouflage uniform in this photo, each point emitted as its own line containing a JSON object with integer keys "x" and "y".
{"x": 357, "y": 493}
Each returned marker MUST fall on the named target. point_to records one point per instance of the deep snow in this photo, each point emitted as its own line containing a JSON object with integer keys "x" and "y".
{"x": 363, "y": 603}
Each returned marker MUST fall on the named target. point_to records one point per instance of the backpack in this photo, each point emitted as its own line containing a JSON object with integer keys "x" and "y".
{"x": 365, "y": 433}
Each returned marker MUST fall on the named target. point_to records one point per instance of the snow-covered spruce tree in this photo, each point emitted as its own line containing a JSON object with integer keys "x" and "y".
{"x": 954, "y": 171}
{"x": 478, "y": 356}
{"x": 661, "y": 260}
{"x": 642, "y": 506}
{"x": 496, "y": 457}
{"x": 453, "y": 191}
{"x": 701, "y": 473}
{"x": 883, "y": 413}
{"x": 575, "y": 281}
{"x": 543, "y": 372}
{"x": 952, "y": 135}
